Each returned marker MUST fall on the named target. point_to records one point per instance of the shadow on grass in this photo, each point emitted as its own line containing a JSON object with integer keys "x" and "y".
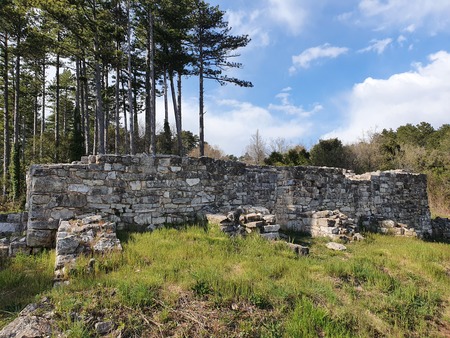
{"x": 22, "y": 278}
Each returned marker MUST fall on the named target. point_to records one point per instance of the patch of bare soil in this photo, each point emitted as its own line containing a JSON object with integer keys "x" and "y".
{"x": 193, "y": 317}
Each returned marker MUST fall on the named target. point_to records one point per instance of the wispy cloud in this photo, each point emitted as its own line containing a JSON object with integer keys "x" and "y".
{"x": 287, "y": 107}
{"x": 401, "y": 39}
{"x": 309, "y": 55}
{"x": 378, "y": 46}
{"x": 386, "y": 14}
{"x": 249, "y": 23}
{"x": 290, "y": 13}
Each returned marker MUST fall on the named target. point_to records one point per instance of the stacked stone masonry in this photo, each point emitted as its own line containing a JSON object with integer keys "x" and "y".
{"x": 142, "y": 191}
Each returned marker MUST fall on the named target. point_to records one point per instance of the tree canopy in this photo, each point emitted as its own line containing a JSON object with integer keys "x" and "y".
{"x": 110, "y": 60}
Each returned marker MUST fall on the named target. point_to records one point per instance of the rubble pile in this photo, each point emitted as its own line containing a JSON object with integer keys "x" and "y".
{"x": 84, "y": 236}
{"x": 246, "y": 220}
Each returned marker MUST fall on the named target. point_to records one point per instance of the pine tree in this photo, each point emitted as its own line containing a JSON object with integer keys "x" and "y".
{"x": 213, "y": 46}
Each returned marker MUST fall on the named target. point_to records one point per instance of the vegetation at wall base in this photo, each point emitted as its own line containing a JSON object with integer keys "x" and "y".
{"x": 193, "y": 282}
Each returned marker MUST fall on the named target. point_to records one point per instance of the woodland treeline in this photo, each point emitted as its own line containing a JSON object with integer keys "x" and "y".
{"x": 75, "y": 75}
{"x": 416, "y": 148}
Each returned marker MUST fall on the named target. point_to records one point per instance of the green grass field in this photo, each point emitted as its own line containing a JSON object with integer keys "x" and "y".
{"x": 197, "y": 283}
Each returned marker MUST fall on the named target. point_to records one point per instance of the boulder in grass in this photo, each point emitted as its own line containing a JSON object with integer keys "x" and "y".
{"x": 336, "y": 246}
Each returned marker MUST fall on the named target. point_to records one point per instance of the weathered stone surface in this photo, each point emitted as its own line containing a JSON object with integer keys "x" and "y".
{"x": 358, "y": 237}
{"x": 253, "y": 217}
{"x": 34, "y": 321}
{"x": 4, "y": 251}
{"x": 66, "y": 244}
{"x": 40, "y": 238}
{"x": 40, "y": 225}
{"x": 19, "y": 246}
{"x": 327, "y": 223}
{"x": 186, "y": 187}
{"x": 441, "y": 228}
{"x": 253, "y": 225}
{"x": 298, "y": 249}
{"x": 336, "y": 246}
{"x": 8, "y": 228}
{"x": 269, "y": 219}
{"x": 216, "y": 218}
{"x": 83, "y": 236}
{"x": 271, "y": 236}
{"x": 271, "y": 228}
{"x": 103, "y": 328}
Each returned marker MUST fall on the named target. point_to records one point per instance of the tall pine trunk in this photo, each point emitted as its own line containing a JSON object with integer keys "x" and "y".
{"x": 100, "y": 123}
{"x": 180, "y": 142}
{"x": 151, "y": 127}
{"x": 6, "y": 140}
{"x": 99, "y": 113}
{"x": 85, "y": 98}
{"x": 201, "y": 104}
{"x": 56, "y": 155}
{"x": 41, "y": 145}
{"x": 175, "y": 111}
{"x": 117, "y": 91}
{"x": 35, "y": 117}
{"x": 125, "y": 119}
{"x": 166, "y": 98}
{"x": 130, "y": 83}
{"x": 117, "y": 113}
{"x": 16, "y": 170}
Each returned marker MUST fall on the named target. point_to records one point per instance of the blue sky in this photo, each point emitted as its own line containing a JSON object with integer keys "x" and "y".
{"x": 328, "y": 68}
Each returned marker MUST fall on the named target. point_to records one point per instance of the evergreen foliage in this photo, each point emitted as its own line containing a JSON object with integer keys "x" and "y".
{"x": 16, "y": 174}
{"x": 78, "y": 111}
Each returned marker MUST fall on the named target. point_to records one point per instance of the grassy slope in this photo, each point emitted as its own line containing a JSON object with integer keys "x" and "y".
{"x": 197, "y": 283}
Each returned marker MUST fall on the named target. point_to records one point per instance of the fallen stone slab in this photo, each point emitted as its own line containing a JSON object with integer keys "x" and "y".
{"x": 35, "y": 320}
{"x": 298, "y": 249}
{"x": 216, "y": 218}
{"x": 272, "y": 228}
{"x": 336, "y": 246}
{"x": 358, "y": 237}
{"x": 272, "y": 236}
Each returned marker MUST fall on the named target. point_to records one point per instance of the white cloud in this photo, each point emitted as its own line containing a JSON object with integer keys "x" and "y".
{"x": 401, "y": 39}
{"x": 309, "y": 55}
{"x": 410, "y": 29}
{"x": 231, "y": 130}
{"x": 345, "y": 17}
{"x": 287, "y": 107}
{"x": 290, "y": 13}
{"x": 230, "y": 123}
{"x": 249, "y": 23}
{"x": 430, "y": 14}
{"x": 377, "y": 46}
{"x": 412, "y": 97}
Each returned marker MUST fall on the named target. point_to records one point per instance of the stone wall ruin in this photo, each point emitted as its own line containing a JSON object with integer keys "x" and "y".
{"x": 147, "y": 192}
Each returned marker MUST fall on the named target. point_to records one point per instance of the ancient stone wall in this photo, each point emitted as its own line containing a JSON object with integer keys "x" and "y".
{"x": 144, "y": 191}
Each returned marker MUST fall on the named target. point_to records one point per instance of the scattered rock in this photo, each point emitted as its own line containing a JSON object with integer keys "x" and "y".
{"x": 247, "y": 219}
{"x": 387, "y": 227}
{"x": 336, "y": 246}
{"x": 358, "y": 237}
{"x": 35, "y": 320}
{"x": 298, "y": 249}
{"x": 103, "y": 328}
{"x": 327, "y": 223}
{"x": 83, "y": 236}
{"x": 271, "y": 236}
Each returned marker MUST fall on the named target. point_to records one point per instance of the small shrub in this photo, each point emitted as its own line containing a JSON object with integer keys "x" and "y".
{"x": 201, "y": 288}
